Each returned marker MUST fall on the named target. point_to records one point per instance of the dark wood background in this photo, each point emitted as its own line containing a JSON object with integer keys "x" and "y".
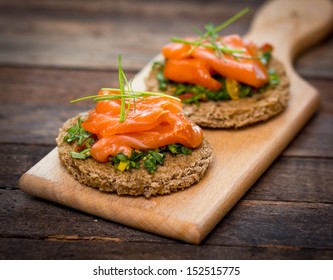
{"x": 54, "y": 51}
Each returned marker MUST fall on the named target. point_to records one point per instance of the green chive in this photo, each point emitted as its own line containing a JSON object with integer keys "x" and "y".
{"x": 212, "y": 33}
{"x": 223, "y": 49}
{"x": 122, "y": 90}
{"x": 124, "y": 94}
{"x": 231, "y": 20}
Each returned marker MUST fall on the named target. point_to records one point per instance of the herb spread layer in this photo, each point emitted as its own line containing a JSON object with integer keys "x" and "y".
{"x": 150, "y": 159}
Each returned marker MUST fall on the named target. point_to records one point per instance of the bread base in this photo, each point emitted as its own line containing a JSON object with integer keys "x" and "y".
{"x": 236, "y": 113}
{"x": 177, "y": 173}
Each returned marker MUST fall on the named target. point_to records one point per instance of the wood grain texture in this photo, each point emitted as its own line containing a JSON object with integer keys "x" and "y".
{"x": 190, "y": 215}
{"x": 80, "y": 34}
{"x": 17, "y": 159}
{"x": 296, "y": 232}
{"x": 102, "y": 250}
{"x": 84, "y": 34}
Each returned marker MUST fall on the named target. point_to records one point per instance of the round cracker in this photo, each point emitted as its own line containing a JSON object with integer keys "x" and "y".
{"x": 237, "y": 113}
{"x": 177, "y": 173}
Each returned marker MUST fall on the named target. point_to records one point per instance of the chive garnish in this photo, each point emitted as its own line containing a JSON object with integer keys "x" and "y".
{"x": 124, "y": 93}
{"x": 194, "y": 43}
{"x": 231, "y": 20}
{"x": 127, "y": 94}
{"x": 122, "y": 90}
{"x": 211, "y": 35}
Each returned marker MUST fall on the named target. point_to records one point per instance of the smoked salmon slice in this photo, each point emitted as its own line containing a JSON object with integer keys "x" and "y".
{"x": 242, "y": 66}
{"x": 176, "y": 51}
{"x": 191, "y": 70}
{"x": 152, "y": 122}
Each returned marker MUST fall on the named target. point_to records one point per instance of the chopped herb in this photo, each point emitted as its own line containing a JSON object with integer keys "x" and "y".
{"x": 82, "y": 139}
{"x": 274, "y": 80}
{"x": 77, "y": 133}
{"x": 162, "y": 81}
{"x": 135, "y": 159}
{"x": 245, "y": 91}
{"x": 179, "y": 149}
{"x": 273, "y": 77}
{"x": 121, "y": 162}
{"x": 121, "y": 157}
{"x": 266, "y": 53}
{"x": 265, "y": 58}
{"x": 150, "y": 160}
{"x": 159, "y": 157}
{"x": 194, "y": 94}
{"x": 221, "y": 94}
{"x": 84, "y": 154}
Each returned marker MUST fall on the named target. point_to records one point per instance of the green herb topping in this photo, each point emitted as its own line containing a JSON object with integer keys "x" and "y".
{"x": 82, "y": 139}
{"x": 150, "y": 159}
{"x": 77, "y": 133}
{"x": 190, "y": 93}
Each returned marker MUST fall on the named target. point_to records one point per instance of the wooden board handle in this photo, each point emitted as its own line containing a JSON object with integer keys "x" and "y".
{"x": 291, "y": 26}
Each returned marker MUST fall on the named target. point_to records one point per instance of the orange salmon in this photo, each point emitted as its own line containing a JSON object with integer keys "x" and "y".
{"x": 151, "y": 123}
{"x": 245, "y": 68}
{"x": 190, "y": 70}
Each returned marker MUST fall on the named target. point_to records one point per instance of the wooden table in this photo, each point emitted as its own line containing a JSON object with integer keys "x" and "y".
{"x": 54, "y": 51}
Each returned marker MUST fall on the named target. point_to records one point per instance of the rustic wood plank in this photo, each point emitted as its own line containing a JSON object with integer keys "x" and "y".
{"x": 274, "y": 223}
{"x": 41, "y": 223}
{"x": 31, "y": 217}
{"x": 279, "y": 183}
{"x": 17, "y": 159}
{"x": 324, "y": 87}
{"x": 250, "y": 223}
{"x": 315, "y": 139}
{"x": 317, "y": 62}
{"x": 25, "y": 249}
{"x": 90, "y": 35}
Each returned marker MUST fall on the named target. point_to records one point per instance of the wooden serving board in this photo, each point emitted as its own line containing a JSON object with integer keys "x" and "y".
{"x": 241, "y": 156}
